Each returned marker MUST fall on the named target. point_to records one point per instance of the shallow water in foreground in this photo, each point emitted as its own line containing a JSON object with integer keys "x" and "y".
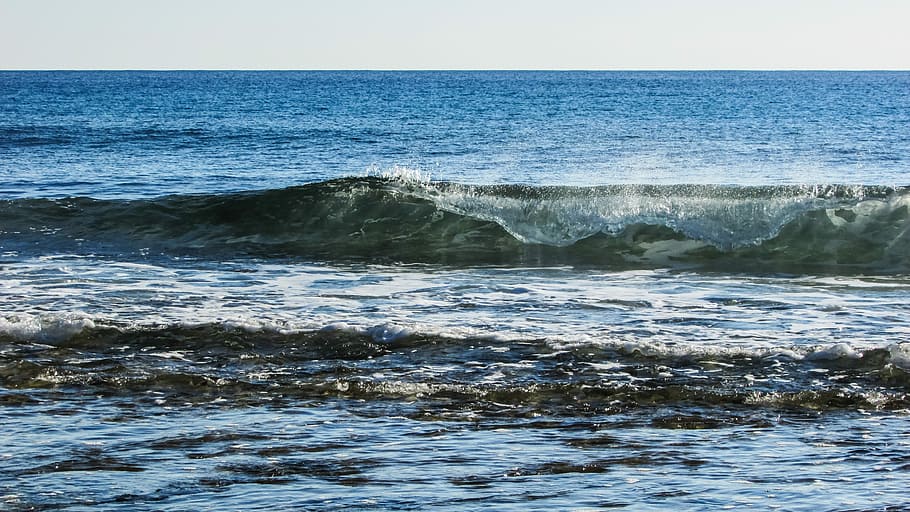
{"x": 634, "y": 389}
{"x": 337, "y": 453}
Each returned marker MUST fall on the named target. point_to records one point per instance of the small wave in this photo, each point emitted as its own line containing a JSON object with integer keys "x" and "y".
{"x": 215, "y": 360}
{"x": 45, "y": 327}
{"x": 405, "y": 217}
{"x": 71, "y": 329}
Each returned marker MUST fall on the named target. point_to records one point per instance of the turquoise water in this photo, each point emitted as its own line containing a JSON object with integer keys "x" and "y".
{"x": 446, "y": 290}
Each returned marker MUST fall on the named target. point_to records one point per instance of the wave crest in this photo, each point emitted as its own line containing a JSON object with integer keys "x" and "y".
{"x": 406, "y": 217}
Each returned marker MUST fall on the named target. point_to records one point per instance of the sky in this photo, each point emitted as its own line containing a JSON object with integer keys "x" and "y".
{"x": 455, "y": 34}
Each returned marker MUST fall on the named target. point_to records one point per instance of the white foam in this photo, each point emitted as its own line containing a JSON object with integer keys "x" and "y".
{"x": 900, "y": 355}
{"x": 403, "y": 174}
{"x": 649, "y": 312}
{"x": 834, "y": 352}
{"x": 45, "y": 327}
{"x": 388, "y": 333}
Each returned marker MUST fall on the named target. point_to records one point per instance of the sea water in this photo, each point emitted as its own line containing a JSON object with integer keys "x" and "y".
{"x": 454, "y": 290}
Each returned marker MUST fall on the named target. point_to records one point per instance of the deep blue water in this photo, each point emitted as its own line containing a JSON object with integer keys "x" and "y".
{"x": 133, "y": 134}
{"x": 454, "y": 290}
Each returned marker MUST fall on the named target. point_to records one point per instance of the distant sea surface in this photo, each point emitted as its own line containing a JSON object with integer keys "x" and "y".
{"x": 454, "y": 290}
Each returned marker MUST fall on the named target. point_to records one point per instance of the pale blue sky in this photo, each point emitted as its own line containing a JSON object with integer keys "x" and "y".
{"x": 453, "y": 34}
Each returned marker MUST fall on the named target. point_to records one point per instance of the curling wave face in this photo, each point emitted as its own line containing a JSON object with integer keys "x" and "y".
{"x": 821, "y": 228}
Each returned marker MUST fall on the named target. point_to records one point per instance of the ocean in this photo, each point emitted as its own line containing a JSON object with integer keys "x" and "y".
{"x": 454, "y": 290}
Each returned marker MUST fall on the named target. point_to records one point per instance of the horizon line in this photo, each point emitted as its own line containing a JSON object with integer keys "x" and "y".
{"x": 471, "y": 70}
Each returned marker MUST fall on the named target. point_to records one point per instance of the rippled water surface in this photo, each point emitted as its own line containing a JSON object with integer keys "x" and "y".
{"x": 454, "y": 291}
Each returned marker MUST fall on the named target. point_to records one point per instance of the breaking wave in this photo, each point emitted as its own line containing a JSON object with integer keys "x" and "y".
{"x": 817, "y": 228}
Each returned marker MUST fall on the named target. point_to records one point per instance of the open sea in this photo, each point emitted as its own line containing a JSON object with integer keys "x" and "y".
{"x": 454, "y": 291}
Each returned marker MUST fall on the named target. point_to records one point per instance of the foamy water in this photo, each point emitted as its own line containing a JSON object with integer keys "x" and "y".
{"x": 503, "y": 291}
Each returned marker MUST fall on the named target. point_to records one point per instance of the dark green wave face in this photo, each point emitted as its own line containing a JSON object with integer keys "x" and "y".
{"x": 828, "y": 228}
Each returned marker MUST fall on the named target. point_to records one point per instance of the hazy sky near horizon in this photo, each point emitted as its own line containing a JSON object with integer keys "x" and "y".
{"x": 454, "y": 34}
